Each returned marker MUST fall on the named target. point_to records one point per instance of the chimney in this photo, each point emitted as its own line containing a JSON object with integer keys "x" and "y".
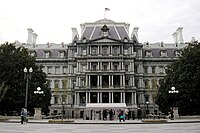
{"x": 30, "y": 35}
{"x": 34, "y": 38}
{"x": 175, "y": 37}
{"x": 135, "y": 33}
{"x": 74, "y": 34}
{"x": 179, "y": 35}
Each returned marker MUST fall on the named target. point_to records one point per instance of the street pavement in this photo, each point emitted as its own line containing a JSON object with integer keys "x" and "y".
{"x": 97, "y": 126}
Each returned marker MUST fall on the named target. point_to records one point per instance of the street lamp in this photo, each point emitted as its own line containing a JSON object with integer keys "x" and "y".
{"x": 147, "y": 111}
{"x": 27, "y": 76}
{"x": 38, "y": 91}
{"x": 172, "y": 91}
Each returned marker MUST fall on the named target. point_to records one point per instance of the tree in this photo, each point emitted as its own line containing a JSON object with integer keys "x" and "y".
{"x": 184, "y": 75}
{"x": 12, "y": 83}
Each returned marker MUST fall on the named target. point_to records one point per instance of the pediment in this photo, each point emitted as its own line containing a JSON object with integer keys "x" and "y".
{"x": 107, "y": 40}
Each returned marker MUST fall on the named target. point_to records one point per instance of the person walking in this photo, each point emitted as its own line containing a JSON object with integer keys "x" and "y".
{"x": 22, "y": 116}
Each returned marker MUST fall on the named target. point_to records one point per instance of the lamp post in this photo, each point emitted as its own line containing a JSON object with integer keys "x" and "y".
{"x": 172, "y": 91}
{"x": 38, "y": 91}
{"x": 27, "y": 76}
{"x": 38, "y": 114}
{"x": 63, "y": 111}
{"x": 147, "y": 111}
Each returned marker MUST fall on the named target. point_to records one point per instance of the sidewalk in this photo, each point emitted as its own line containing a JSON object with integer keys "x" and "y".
{"x": 80, "y": 121}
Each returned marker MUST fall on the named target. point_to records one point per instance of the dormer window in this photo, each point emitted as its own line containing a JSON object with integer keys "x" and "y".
{"x": 47, "y": 54}
{"x": 177, "y": 53}
{"x": 148, "y": 53}
{"x": 33, "y": 53}
{"x": 104, "y": 30}
{"x": 62, "y": 54}
{"x": 163, "y": 53}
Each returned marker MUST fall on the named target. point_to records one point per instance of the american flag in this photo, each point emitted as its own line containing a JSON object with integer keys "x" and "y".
{"x": 107, "y": 9}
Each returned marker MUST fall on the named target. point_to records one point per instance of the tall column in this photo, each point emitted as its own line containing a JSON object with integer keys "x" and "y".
{"x": 109, "y": 97}
{"x": 123, "y": 80}
{"x": 89, "y": 97}
{"x": 132, "y": 98}
{"x": 101, "y": 80}
{"x": 135, "y": 97}
{"x": 112, "y": 97}
{"x": 75, "y": 102}
{"x": 86, "y": 97}
{"x": 121, "y": 83}
{"x": 98, "y": 80}
{"x": 86, "y": 82}
{"x": 78, "y": 98}
{"x": 109, "y": 80}
{"x": 112, "y": 81}
{"x": 98, "y": 97}
{"x": 89, "y": 81}
{"x": 123, "y": 97}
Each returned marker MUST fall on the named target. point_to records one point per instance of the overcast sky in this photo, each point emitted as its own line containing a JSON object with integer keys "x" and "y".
{"x": 52, "y": 20}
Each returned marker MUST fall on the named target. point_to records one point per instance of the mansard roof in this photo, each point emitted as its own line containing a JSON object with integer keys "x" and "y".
{"x": 117, "y": 31}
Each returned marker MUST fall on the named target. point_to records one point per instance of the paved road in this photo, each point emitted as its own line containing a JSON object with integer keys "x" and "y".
{"x": 100, "y": 128}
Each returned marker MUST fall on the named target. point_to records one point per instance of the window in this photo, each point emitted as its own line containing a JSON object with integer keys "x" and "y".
{"x": 62, "y": 54}
{"x": 56, "y": 99}
{"x": 56, "y": 84}
{"x": 126, "y": 80}
{"x": 115, "y": 66}
{"x": 115, "y": 50}
{"x": 105, "y": 66}
{"x": 147, "y": 53}
{"x": 146, "y": 84}
{"x": 177, "y": 53}
{"x": 57, "y": 70}
{"x": 49, "y": 70}
{"x": 136, "y": 69}
{"x": 84, "y": 68}
{"x": 125, "y": 51}
{"x": 145, "y": 69}
{"x": 84, "y": 50}
{"x": 154, "y": 83}
{"x": 94, "y": 50}
{"x": 33, "y": 53}
{"x": 104, "y": 50}
{"x": 94, "y": 66}
{"x": 161, "y": 69}
{"x": 64, "y": 70}
{"x": 64, "y": 84}
{"x": 126, "y": 68}
{"x": 153, "y": 69}
{"x": 74, "y": 69}
{"x": 163, "y": 53}
{"x": 47, "y": 54}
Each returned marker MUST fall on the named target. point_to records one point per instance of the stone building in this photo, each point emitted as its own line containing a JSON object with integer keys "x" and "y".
{"x": 103, "y": 67}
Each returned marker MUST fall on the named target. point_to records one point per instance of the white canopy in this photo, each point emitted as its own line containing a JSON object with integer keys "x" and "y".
{"x": 99, "y": 106}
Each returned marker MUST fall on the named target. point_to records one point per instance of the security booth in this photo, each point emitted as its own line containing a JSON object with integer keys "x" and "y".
{"x": 96, "y": 111}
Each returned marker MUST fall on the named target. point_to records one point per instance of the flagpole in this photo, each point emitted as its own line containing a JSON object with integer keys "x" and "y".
{"x": 106, "y": 9}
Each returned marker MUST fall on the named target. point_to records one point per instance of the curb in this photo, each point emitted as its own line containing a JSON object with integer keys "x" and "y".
{"x": 38, "y": 122}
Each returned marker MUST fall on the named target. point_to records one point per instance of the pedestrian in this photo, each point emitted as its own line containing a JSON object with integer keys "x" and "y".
{"x": 172, "y": 114}
{"x": 111, "y": 114}
{"x": 22, "y": 116}
{"x": 139, "y": 113}
{"x": 133, "y": 114}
